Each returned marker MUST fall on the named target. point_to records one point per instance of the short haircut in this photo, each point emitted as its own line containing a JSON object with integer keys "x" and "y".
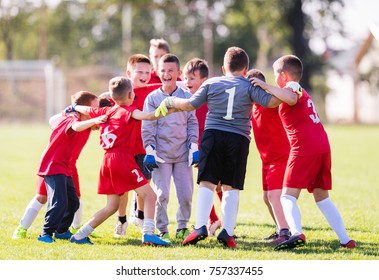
{"x": 160, "y": 44}
{"x": 256, "y": 73}
{"x": 236, "y": 59}
{"x": 290, "y": 64}
{"x": 197, "y": 64}
{"x": 137, "y": 58}
{"x": 83, "y": 98}
{"x": 105, "y": 100}
{"x": 169, "y": 57}
{"x": 120, "y": 87}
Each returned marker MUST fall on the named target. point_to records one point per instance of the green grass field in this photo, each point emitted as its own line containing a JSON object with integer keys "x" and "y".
{"x": 356, "y": 194}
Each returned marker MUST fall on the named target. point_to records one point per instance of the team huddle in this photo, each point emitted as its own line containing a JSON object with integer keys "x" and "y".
{"x": 156, "y": 127}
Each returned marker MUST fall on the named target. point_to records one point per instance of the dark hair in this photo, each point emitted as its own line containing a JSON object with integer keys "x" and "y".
{"x": 236, "y": 59}
{"x": 256, "y": 73}
{"x": 83, "y": 98}
{"x": 197, "y": 64}
{"x": 290, "y": 64}
{"x": 119, "y": 87}
{"x": 169, "y": 57}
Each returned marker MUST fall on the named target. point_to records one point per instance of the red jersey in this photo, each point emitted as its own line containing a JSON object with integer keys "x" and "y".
{"x": 120, "y": 129}
{"x": 57, "y": 155}
{"x": 269, "y": 134}
{"x": 138, "y": 102}
{"x": 201, "y": 114}
{"x": 304, "y": 129}
{"x": 154, "y": 79}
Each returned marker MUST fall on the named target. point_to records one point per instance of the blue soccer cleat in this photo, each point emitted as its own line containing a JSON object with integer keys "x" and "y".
{"x": 85, "y": 240}
{"x": 153, "y": 240}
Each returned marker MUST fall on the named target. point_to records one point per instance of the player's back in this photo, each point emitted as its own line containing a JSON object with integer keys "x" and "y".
{"x": 230, "y": 100}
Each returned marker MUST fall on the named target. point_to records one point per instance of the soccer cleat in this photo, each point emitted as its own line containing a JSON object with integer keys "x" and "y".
{"x": 351, "y": 244}
{"x": 165, "y": 237}
{"x": 272, "y": 236}
{"x": 292, "y": 242}
{"x": 137, "y": 221}
{"x": 213, "y": 227}
{"x": 75, "y": 230}
{"x": 66, "y": 235}
{"x": 85, "y": 240}
{"x": 153, "y": 240}
{"x": 279, "y": 240}
{"x": 120, "y": 229}
{"x": 226, "y": 240}
{"x": 19, "y": 233}
{"x": 196, "y": 235}
{"x": 46, "y": 238}
{"x": 182, "y": 233}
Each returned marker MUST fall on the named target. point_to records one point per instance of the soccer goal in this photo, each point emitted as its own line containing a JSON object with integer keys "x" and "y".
{"x": 32, "y": 90}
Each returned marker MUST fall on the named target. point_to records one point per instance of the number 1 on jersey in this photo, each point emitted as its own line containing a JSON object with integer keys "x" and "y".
{"x": 229, "y": 108}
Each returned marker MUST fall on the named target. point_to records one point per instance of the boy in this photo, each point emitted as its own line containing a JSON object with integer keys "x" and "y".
{"x": 119, "y": 172}
{"x": 56, "y": 167}
{"x": 157, "y": 49}
{"x": 273, "y": 147}
{"x": 138, "y": 70}
{"x": 195, "y": 73}
{"x": 309, "y": 163}
{"x": 225, "y": 141}
{"x": 175, "y": 139}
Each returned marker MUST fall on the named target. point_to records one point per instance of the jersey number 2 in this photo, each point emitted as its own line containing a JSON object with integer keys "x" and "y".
{"x": 139, "y": 177}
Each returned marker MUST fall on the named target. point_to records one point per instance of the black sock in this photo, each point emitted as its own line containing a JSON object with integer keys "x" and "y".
{"x": 122, "y": 219}
{"x": 140, "y": 214}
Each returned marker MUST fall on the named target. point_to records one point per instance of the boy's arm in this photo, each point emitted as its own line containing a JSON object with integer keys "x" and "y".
{"x": 286, "y": 95}
{"x": 77, "y": 108}
{"x": 83, "y": 125}
{"x": 173, "y": 104}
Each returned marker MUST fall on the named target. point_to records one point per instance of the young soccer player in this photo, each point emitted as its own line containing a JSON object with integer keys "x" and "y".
{"x": 195, "y": 73}
{"x": 273, "y": 147}
{"x": 56, "y": 167}
{"x": 309, "y": 163}
{"x": 138, "y": 70}
{"x": 157, "y": 49}
{"x": 174, "y": 139}
{"x": 119, "y": 172}
{"x": 225, "y": 141}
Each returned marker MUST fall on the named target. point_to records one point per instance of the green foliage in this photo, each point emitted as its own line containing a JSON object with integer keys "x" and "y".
{"x": 355, "y": 193}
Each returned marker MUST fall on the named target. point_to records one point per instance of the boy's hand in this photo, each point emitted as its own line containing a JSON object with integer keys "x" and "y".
{"x": 69, "y": 109}
{"x": 151, "y": 159}
{"x": 258, "y": 82}
{"x": 193, "y": 155}
{"x": 101, "y": 119}
{"x": 295, "y": 87}
{"x": 164, "y": 106}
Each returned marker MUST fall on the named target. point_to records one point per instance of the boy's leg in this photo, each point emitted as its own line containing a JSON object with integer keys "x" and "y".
{"x": 56, "y": 206}
{"x": 276, "y": 205}
{"x": 161, "y": 183}
{"x": 331, "y": 213}
{"x": 122, "y": 223}
{"x": 72, "y": 207}
{"x": 97, "y": 219}
{"x": 183, "y": 181}
{"x": 77, "y": 221}
{"x": 150, "y": 198}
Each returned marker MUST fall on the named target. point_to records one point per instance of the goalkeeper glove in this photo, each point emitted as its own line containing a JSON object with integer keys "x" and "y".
{"x": 164, "y": 106}
{"x": 193, "y": 155}
{"x": 151, "y": 159}
{"x": 295, "y": 87}
{"x": 69, "y": 109}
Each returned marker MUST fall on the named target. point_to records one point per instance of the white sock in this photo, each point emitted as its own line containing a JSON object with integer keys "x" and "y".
{"x": 84, "y": 231}
{"x": 332, "y": 215}
{"x": 203, "y": 206}
{"x": 30, "y": 213}
{"x": 148, "y": 226}
{"x": 229, "y": 208}
{"x": 292, "y": 213}
{"x": 77, "y": 222}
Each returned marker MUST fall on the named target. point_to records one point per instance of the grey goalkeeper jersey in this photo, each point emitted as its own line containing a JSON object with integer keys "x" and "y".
{"x": 230, "y": 100}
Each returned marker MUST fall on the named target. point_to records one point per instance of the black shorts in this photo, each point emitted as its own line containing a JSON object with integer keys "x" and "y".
{"x": 139, "y": 161}
{"x": 223, "y": 158}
